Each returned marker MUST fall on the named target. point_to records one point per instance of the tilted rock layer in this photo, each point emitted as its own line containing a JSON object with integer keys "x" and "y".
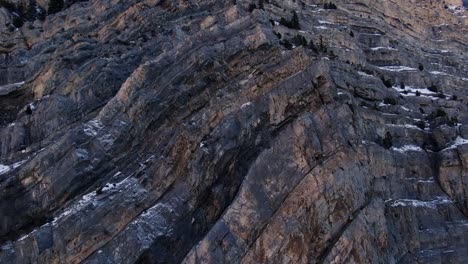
{"x": 203, "y": 131}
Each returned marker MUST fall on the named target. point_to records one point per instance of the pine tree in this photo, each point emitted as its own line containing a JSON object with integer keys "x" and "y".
{"x": 295, "y": 21}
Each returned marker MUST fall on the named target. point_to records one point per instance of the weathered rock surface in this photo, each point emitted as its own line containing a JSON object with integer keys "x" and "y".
{"x": 162, "y": 131}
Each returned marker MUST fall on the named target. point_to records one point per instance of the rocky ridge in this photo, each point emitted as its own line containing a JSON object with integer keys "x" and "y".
{"x": 204, "y": 131}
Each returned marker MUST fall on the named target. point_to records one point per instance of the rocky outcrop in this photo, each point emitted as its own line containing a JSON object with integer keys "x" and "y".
{"x": 235, "y": 132}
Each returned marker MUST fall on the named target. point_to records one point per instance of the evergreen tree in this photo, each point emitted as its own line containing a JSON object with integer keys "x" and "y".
{"x": 295, "y": 21}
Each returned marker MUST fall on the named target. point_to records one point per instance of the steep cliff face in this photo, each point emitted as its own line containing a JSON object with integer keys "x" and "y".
{"x": 203, "y": 131}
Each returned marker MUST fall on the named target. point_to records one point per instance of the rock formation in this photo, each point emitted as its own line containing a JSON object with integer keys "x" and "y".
{"x": 203, "y": 131}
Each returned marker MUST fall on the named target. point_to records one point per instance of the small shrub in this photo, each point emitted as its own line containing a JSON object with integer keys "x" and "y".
{"x": 440, "y": 113}
{"x": 418, "y": 93}
{"x": 420, "y": 124}
{"x": 100, "y": 190}
{"x": 441, "y": 95}
{"x": 402, "y": 85}
{"x": 453, "y": 121}
{"x": 277, "y": 34}
{"x": 387, "y": 141}
{"x": 286, "y": 44}
{"x": 329, "y": 6}
{"x": 351, "y": 34}
{"x": 421, "y": 67}
{"x": 454, "y": 98}
{"x": 433, "y": 88}
{"x": 312, "y": 46}
{"x": 322, "y": 47}
{"x": 390, "y": 101}
{"x": 293, "y": 23}
{"x": 299, "y": 40}
{"x": 387, "y": 82}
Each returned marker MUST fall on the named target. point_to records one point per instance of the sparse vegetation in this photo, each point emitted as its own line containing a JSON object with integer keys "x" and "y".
{"x": 312, "y": 46}
{"x": 286, "y": 44}
{"x": 420, "y": 124}
{"x": 433, "y": 88}
{"x": 390, "y": 101}
{"x": 387, "y": 82}
{"x": 299, "y": 40}
{"x": 439, "y": 113}
{"x": 293, "y": 23}
{"x": 387, "y": 141}
{"x": 322, "y": 47}
{"x": 330, "y": 5}
{"x": 453, "y": 121}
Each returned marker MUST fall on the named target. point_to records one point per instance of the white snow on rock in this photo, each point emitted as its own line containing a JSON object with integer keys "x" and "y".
{"x": 6, "y": 168}
{"x": 246, "y": 105}
{"x": 92, "y": 127}
{"x": 397, "y": 68}
{"x": 404, "y": 126}
{"x": 458, "y": 142}
{"x": 322, "y": 27}
{"x": 418, "y": 203}
{"x": 439, "y": 73}
{"x": 90, "y": 198}
{"x": 424, "y": 92}
{"x": 407, "y": 148}
{"x": 116, "y": 186}
{"x": 383, "y": 48}
{"x": 82, "y": 153}
{"x": 364, "y": 74}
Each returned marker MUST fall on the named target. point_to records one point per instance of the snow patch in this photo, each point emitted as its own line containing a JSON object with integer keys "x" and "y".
{"x": 246, "y": 105}
{"x": 325, "y": 22}
{"x": 458, "y": 142}
{"x": 92, "y": 127}
{"x": 418, "y": 203}
{"x": 82, "y": 153}
{"x": 113, "y": 186}
{"x": 322, "y": 27}
{"x": 7, "y": 168}
{"x": 404, "y": 126}
{"x": 397, "y": 68}
{"x": 382, "y": 48}
{"x": 364, "y": 74}
{"x": 439, "y": 73}
{"x": 424, "y": 92}
{"x": 407, "y": 148}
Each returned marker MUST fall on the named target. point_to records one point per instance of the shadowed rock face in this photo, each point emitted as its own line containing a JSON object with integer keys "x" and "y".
{"x": 220, "y": 132}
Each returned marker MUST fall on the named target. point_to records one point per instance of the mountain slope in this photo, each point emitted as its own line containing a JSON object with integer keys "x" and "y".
{"x": 205, "y": 131}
